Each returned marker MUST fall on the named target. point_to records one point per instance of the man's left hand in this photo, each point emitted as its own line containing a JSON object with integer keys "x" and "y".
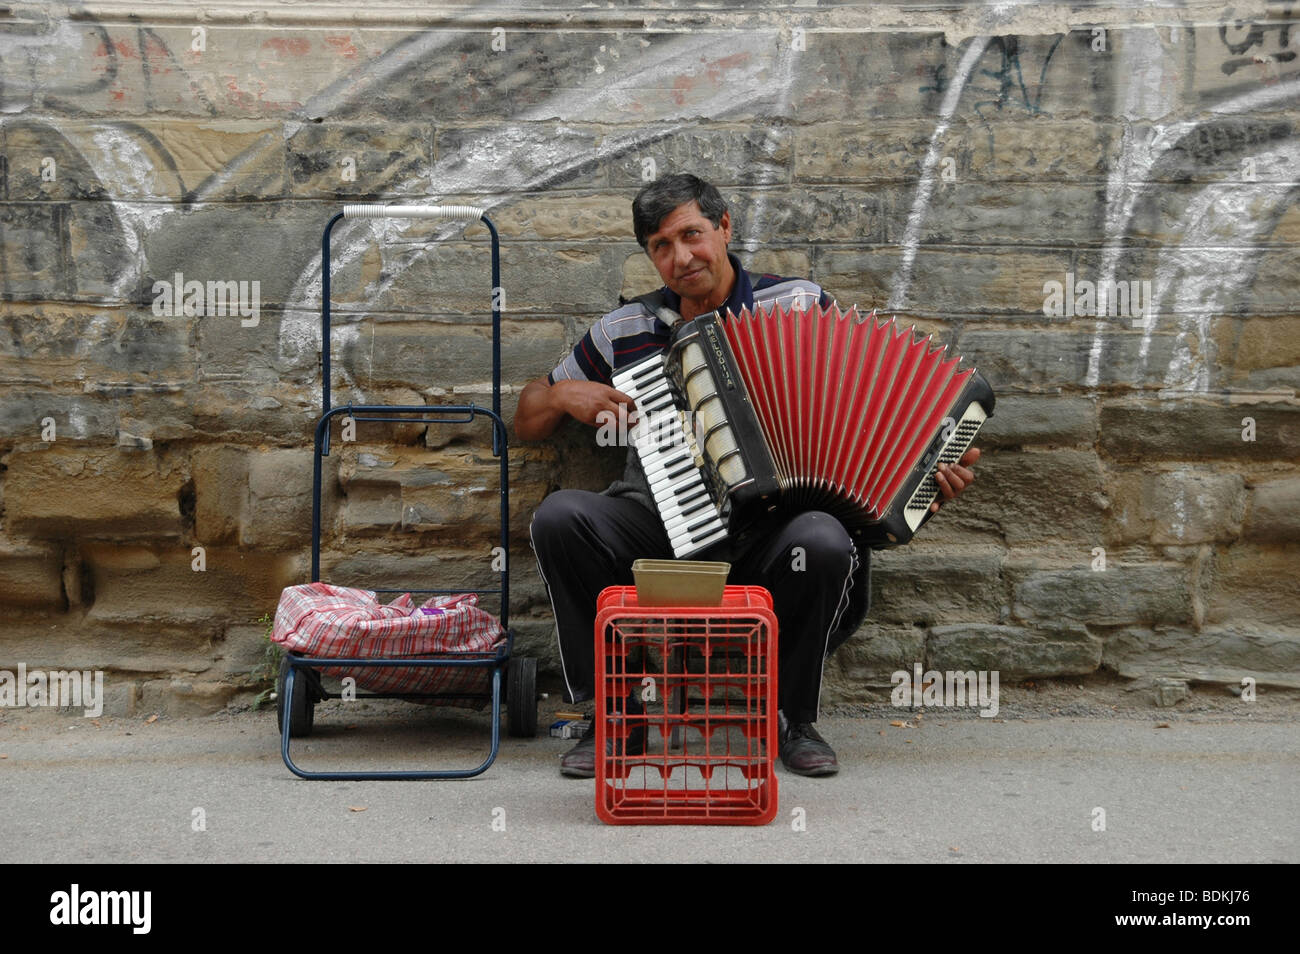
{"x": 954, "y": 478}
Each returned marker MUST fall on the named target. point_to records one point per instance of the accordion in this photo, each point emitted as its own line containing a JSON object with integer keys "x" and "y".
{"x": 801, "y": 410}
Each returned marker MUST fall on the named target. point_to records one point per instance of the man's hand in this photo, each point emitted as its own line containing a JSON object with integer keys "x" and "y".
{"x": 954, "y": 478}
{"x": 587, "y": 401}
{"x": 543, "y": 406}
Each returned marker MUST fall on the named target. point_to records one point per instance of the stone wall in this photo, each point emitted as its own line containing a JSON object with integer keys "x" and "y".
{"x": 1138, "y": 507}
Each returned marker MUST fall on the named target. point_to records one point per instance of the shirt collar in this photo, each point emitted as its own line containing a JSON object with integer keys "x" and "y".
{"x": 742, "y": 293}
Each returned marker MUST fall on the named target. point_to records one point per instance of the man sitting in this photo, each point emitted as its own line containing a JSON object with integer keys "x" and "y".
{"x": 586, "y": 541}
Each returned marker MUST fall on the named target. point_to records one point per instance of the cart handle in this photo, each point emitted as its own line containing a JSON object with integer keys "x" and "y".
{"x": 468, "y": 213}
{"x": 449, "y": 212}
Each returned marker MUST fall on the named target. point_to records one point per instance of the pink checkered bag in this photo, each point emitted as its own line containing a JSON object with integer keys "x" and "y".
{"x": 324, "y": 621}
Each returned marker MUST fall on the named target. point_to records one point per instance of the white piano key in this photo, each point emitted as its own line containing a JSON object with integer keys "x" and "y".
{"x": 689, "y": 541}
{"x": 681, "y": 521}
{"x": 653, "y": 449}
{"x": 679, "y": 504}
{"x": 692, "y": 548}
{"x": 646, "y": 393}
{"x": 653, "y": 427}
{"x": 637, "y": 376}
{"x": 677, "y": 481}
{"x": 657, "y": 465}
{"x": 663, "y": 463}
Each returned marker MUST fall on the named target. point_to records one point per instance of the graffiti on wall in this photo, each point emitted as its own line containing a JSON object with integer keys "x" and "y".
{"x": 646, "y": 89}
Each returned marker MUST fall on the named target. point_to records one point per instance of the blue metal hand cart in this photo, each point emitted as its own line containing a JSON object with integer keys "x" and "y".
{"x": 299, "y": 686}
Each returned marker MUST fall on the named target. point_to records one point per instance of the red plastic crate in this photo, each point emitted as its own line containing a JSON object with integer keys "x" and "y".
{"x": 704, "y": 679}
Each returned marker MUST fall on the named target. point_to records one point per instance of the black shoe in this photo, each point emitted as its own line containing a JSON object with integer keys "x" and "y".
{"x": 580, "y": 761}
{"x": 803, "y": 751}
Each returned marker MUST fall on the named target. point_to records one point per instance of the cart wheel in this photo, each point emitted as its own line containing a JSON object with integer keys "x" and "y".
{"x": 304, "y": 705}
{"x": 521, "y": 697}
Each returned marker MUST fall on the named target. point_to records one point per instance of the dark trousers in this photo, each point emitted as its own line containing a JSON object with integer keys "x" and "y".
{"x": 585, "y": 542}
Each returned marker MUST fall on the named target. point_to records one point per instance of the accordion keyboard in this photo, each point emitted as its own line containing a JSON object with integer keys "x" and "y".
{"x": 960, "y": 440}
{"x": 666, "y": 446}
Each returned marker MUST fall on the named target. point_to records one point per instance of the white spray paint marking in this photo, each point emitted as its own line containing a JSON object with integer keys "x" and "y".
{"x": 1203, "y": 503}
{"x": 749, "y": 83}
{"x": 1124, "y": 189}
{"x": 115, "y": 156}
{"x": 23, "y": 52}
{"x": 1142, "y": 58}
{"x": 1184, "y": 264}
{"x": 785, "y": 70}
{"x": 925, "y": 187}
{"x": 457, "y": 175}
{"x": 364, "y": 83}
{"x": 254, "y": 152}
{"x": 1178, "y": 524}
{"x": 1232, "y": 216}
{"x": 123, "y": 160}
{"x": 78, "y": 426}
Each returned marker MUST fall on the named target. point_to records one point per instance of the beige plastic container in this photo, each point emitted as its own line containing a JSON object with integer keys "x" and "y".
{"x": 679, "y": 582}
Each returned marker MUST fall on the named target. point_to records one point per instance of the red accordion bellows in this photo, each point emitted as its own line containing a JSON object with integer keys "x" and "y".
{"x": 848, "y": 403}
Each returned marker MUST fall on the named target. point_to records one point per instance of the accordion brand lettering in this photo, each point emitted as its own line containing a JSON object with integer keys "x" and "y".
{"x": 724, "y": 366}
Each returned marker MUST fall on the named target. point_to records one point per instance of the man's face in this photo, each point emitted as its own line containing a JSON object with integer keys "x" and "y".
{"x": 691, "y": 255}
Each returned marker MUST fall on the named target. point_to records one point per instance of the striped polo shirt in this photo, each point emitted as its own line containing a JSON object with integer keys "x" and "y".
{"x": 633, "y": 332}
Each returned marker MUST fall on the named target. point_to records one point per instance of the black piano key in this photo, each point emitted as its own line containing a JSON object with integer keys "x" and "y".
{"x": 697, "y": 537}
{"x": 686, "y": 512}
{"x": 687, "y": 504}
{"x": 664, "y": 400}
{"x": 648, "y": 373}
{"x": 661, "y": 453}
{"x": 709, "y": 521}
{"x": 683, "y": 509}
{"x": 700, "y": 491}
{"x": 672, "y": 441}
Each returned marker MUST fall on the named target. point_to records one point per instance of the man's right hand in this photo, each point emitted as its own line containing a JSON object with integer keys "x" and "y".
{"x": 588, "y": 400}
{"x": 543, "y": 406}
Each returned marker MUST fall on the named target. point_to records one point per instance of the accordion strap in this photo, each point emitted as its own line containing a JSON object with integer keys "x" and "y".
{"x": 657, "y": 305}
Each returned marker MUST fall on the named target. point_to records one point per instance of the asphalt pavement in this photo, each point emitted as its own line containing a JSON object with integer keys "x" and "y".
{"x": 951, "y": 787}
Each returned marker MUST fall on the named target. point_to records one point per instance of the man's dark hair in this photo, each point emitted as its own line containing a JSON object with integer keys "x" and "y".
{"x": 657, "y": 200}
